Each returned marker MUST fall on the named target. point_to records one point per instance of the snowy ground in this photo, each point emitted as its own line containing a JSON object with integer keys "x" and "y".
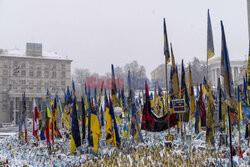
{"x": 152, "y": 152}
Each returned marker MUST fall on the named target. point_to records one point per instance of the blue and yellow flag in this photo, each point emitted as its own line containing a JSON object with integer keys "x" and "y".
{"x": 75, "y": 133}
{"x": 175, "y": 76}
{"x": 116, "y": 137}
{"x": 113, "y": 88}
{"x": 109, "y": 128}
{"x": 166, "y": 47}
{"x": 245, "y": 91}
{"x": 210, "y": 43}
{"x": 96, "y": 131}
{"x": 204, "y": 86}
{"x": 225, "y": 65}
{"x": 239, "y": 105}
{"x": 191, "y": 93}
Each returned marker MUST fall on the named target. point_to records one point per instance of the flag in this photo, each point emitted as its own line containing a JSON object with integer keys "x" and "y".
{"x": 83, "y": 119}
{"x": 102, "y": 120}
{"x": 114, "y": 90}
{"x": 151, "y": 122}
{"x": 219, "y": 91}
{"x": 109, "y": 128}
{"x": 210, "y": 43}
{"x": 197, "y": 124}
{"x": 239, "y": 105}
{"x": 202, "y": 109}
{"x": 73, "y": 88}
{"x": 75, "y": 134}
{"x": 210, "y": 121}
{"x": 47, "y": 126}
{"x": 248, "y": 70}
{"x": 95, "y": 128}
{"x": 166, "y": 47}
{"x": 184, "y": 95}
{"x": 245, "y": 90}
{"x": 204, "y": 86}
{"x": 225, "y": 65}
{"x": 116, "y": 137}
{"x": 35, "y": 119}
{"x": 191, "y": 94}
{"x": 175, "y": 76}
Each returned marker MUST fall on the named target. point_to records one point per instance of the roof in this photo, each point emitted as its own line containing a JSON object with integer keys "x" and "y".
{"x": 22, "y": 54}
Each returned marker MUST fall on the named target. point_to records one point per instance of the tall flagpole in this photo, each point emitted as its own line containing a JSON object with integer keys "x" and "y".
{"x": 166, "y": 73}
{"x": 167, "y": 58}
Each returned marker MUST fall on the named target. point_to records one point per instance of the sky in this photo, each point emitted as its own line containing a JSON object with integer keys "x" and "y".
{"x": 97, "y": 33}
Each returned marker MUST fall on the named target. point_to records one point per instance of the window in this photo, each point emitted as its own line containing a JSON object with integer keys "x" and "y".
{"x": 4, "y": 107}
{"x": 5, "y": 71}
{"x": 53, "y": 82}
{"x": 46, "y": 82}
{"x": 23, "y": 73}
{"x": 23, "y": 65}
{"x": 22, "y": 88}
{"x": 32, "y": 65}
{"x": 5, "y": 81}
{"x": 39, "y": 89}
{"x": 53, "y": 66}
{"x": 38, "y": 65}
{"x": 4, "y": 98}
{"x": 15, "y": 81}
{"x": 31, "y": 73}
{"x": 15, "y": 64}
{"x": 63, "y": 89}
{"x": 31, "y": 82}
{"x": 63, "y": 75}
{"x": 46, "y": 66}
{"x": 22, "y": 81}
{"x": 63, "y": 83}
{"x": 39, "y": 74}
{"x": 53, "y": 74}
{"x": 46, "y": 74}
{"x": 31, "y": 88}
{"x": 39, "y": 82}
{"x": 53, "y": 89}
{"x": 63, "y": 66}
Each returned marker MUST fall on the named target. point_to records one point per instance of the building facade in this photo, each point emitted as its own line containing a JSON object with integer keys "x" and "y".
{"x": 238, "y": 69}
{"x": 31, "y": 71}
{"x": 159, "y": 74}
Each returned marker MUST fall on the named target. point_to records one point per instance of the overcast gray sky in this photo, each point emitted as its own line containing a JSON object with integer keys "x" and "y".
{"x": 96, "y": 33}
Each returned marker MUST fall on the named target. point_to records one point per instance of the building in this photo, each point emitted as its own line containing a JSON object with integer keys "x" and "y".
{"x": 159, "y": 75}
{"x": 32, "y": 71}
{"x": 238, "y": 70}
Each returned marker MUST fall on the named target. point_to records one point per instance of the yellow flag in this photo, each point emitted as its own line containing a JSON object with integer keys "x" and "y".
{"x": 72, "y": 145}
{"x": 109, "y": 129}
{"x": 191, "y": 93}
{"x": 96, "y": 131}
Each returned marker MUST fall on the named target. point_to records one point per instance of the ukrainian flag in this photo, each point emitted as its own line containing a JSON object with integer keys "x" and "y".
{"x": 109, "y": 129}
{"x": 239, "y": 105}
{"x": 166, "y": 47}
{"x": 75, "y": 133}
{"x": 116, "y": 137}
{"x": 225, "y": 64}
{"x": 204, "y": 85}
{"x": 95, "y": 128}
{"x": 210, "y": 43}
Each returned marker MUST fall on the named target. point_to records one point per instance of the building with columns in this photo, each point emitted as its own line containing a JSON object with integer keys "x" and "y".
{"x": 238, "y": 69}
{"x": 32, "y": 71}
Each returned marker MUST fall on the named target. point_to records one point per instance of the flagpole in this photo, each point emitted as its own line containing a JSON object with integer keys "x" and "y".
{"x": 166, "y": 73}
{"x": 230, "y": 136}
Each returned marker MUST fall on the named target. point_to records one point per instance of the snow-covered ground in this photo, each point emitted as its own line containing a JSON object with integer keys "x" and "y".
{"x": 151, "y": 152}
